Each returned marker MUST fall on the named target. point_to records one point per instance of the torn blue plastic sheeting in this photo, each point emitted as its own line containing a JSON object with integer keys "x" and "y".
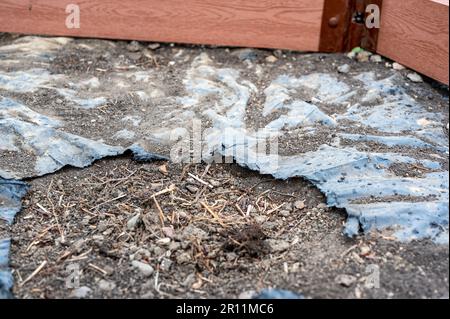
{"x": 11, "y": 194}
{"x": 6, "y": 278}
{"x": 361, "y": 181}
{"x": 430, "y": 224}
{"x": 347, "y": 176}
{"x": 277, "y": 294}
{"x": 28, "y": 81}
{"x": 392, "y": 141}
{"x": 141, "y": 155}
{"x": 52, "y": 148}
{"x": 41, "y": 136}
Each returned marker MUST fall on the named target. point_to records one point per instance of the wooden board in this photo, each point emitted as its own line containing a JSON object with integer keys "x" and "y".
{"x": 415, "y": 33}
{"x": 340, "y": 33}
{"x": 336, "y": 19}
{"x": 287, "y": 24}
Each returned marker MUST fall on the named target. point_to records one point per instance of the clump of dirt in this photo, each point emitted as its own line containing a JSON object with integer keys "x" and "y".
{"x": 249, "y": 239}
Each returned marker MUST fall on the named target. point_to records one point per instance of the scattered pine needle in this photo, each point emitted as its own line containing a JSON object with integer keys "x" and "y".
{"x": 38, "y": 269}
{"x": 214, "y": 214}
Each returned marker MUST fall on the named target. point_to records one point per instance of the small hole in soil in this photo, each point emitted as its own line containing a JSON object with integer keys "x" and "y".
{"x": 247, "y": 241}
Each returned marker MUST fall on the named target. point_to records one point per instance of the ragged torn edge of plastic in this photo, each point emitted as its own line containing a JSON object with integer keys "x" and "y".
{"x": 11, "y": 194}
{"x": 6, "y": 278}
{"x": 342, "y": 192}
{"x": 12, "y": 191}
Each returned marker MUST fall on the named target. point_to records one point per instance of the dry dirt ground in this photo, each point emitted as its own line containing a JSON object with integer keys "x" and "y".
{"x": 159, "y": 230}
{"x": 269, "y": 234}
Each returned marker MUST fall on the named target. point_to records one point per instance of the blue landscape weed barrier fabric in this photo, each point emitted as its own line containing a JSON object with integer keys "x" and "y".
{"x": 11, "y": 194}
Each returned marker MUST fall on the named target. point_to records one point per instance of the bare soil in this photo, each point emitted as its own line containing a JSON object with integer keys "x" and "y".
{"x": 230, "y": 233}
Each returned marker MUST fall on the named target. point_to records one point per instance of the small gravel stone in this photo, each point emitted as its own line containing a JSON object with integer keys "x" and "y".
{"x": 192, "y": 189}
{"x": 231, "y": 256}
{"x": 345, "y": 280}
{"x": 300, "y": 204}
{"x": 106, "y": 285}
{"x": 363, "y": 56}
{"x": 133, "y": 46}
{"x": 260, "y": 219}
{"x": 109, "y": 270}
{"x": 81, "y": 293}
{"x": 144, "y": 268}
{"x": 166, "y": 264}
{"x": 215, "y": 183}
{"x": 278, "y": 54}
{"x": 271, "y": 59}
{"x": 183, "y": 215}
{"x": 285, "y": 213}
{"x": 163, "y": 241}
{"x": 148, "y": 295}
{"x": 414, "y": 77}
{"x": 163, "y": 169}
{"x": 79, "y": 245}
{"x": 102, "y": 226}
{"x": 194, "y": 232}
{"x": 157, "y": 250}
{"x": 168, "y": 232}
{"x": 351, "y": 55}
{"x": 184, "y": 258}
{"x": 247, "y": 294}
{"x": 174, "y": 246}
{"x": 376, "y": 58}
{"x": 134, "y": 221}
{"x": 289, "y": 207}
{"x": 277, "y": 246}
{"x": 271, "y": 225}
{"x": 98, "y": 239}
{"x": 245, "y": 54}
{"x": 154, "y": 46}
{"x": 344, "y": 68}
{"x": 397, "y": 66}
{"x": 134, "y": 56}
{"x": 364, "y": 250}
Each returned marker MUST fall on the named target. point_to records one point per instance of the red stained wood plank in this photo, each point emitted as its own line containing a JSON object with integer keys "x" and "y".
{"x": 336, "y": 21}
{"x": 286, "y": 24}
{"x": 415, "y": 33}
{"x": 340, "y": 33}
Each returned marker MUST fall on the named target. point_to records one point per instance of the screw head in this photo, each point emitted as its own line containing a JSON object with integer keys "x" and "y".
{"x": 333, "y": 22}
